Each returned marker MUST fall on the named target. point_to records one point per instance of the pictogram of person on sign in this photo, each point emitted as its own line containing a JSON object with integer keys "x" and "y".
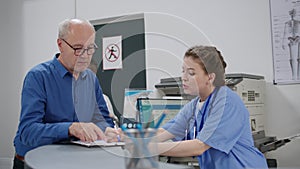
{"x": 111, "y": 51}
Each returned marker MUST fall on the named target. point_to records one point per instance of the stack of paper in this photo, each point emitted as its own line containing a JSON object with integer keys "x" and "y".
{"x": 98, "y": 143}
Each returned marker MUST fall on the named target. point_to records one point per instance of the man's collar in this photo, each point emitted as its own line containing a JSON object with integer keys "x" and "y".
{"x": 62, "y": 70}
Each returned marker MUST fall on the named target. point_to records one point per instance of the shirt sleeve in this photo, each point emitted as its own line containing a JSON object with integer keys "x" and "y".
{"x": 34, "y": 132}
{"x": 225, "y": 121}
{"x": 181, "y": 122}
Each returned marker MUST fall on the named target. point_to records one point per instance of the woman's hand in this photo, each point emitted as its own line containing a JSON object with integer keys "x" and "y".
{"x": 113, "y": 135}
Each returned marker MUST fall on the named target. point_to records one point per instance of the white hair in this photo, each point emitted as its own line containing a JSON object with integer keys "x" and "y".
{"x": 64, "y": 26}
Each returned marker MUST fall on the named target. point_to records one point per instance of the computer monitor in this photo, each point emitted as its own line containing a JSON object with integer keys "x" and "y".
{"x": 151, "y": 109}
{"x": 130, "y": 114}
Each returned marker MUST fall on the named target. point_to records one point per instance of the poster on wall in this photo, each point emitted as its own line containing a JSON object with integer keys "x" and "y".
{"x": 285, "y": 25}
{"x": 112, "y": 52}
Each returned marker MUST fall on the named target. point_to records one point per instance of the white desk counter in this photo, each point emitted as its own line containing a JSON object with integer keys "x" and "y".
{"x": 74, "y": 156}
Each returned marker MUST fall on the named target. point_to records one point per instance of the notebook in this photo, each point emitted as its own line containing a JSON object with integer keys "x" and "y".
{"x": 97, "y": 143}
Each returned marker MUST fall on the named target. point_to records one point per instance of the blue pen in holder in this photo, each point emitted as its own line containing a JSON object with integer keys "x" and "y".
{"x": 140, "y": 148}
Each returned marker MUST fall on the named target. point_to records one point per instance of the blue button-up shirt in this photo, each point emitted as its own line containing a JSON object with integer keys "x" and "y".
{"x": 52, "y": 99}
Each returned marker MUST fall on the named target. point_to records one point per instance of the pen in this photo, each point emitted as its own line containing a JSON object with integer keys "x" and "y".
{"x": 186, "y": 134}
{"x": 133, "y": 161}
{"x": 160, "y": 120}
{"x": 194, "y": 132}
{"x": 145, "y": 149}
{"x": 138, "y": 147}
{"x": 116, "y": 128}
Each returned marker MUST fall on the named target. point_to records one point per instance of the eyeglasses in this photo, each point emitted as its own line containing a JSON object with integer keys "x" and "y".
{"x": 80, "y": 51}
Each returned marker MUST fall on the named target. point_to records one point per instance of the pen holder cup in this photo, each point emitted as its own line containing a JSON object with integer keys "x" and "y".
{"x": 141, "y": 149}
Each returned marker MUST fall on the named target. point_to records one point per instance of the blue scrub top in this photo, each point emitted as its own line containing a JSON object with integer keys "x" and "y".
{"x": 226, "y": 129}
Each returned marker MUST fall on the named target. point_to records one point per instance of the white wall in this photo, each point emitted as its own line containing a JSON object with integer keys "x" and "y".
{"x": 28, "y": 36}
{"x": 11, "y": 70}
{"x": 41, "y": 19}
{"x": 239, "y": 28}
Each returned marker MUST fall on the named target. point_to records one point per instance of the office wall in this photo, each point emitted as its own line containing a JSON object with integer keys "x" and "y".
{"x": 113, "y": 82}
{"x": 28, "y": 36}
{"x": 239, "y": 28}
{"x": 11, "y": 68}
{"x": 41, "y": 18}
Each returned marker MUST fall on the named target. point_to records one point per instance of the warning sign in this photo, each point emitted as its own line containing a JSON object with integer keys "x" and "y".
{"x": 112, "y": 53}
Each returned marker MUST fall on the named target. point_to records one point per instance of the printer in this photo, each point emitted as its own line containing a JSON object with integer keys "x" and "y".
{"x": 251, "y": 89}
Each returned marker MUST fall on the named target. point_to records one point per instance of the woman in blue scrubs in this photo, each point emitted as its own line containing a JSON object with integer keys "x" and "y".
{"x": 214, "y": 127}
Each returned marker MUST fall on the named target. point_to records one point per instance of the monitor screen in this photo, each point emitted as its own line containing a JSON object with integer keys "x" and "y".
{"x": 130, "y": 101}
{"x": 130, "y": 113}
{"x": 151, "y": 109}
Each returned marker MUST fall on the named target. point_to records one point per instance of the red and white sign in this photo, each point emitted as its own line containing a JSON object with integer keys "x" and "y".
{"x": 112, "y": 52}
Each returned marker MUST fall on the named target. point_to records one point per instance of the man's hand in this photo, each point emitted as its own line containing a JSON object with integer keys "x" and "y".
{"x": 87, "y": 132}
{"x": 112, "y": 134}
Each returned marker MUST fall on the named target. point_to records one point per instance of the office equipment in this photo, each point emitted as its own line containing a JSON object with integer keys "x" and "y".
{"x": 172, "y": 87}
{"x": 130, "y": 113}
{"x": 130, "y": 101}
{"x": 151, "y": 110}
{"x": 251, "y": 89}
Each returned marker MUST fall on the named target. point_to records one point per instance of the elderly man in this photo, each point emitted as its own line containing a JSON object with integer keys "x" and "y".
{"x": 61, "y": 98}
